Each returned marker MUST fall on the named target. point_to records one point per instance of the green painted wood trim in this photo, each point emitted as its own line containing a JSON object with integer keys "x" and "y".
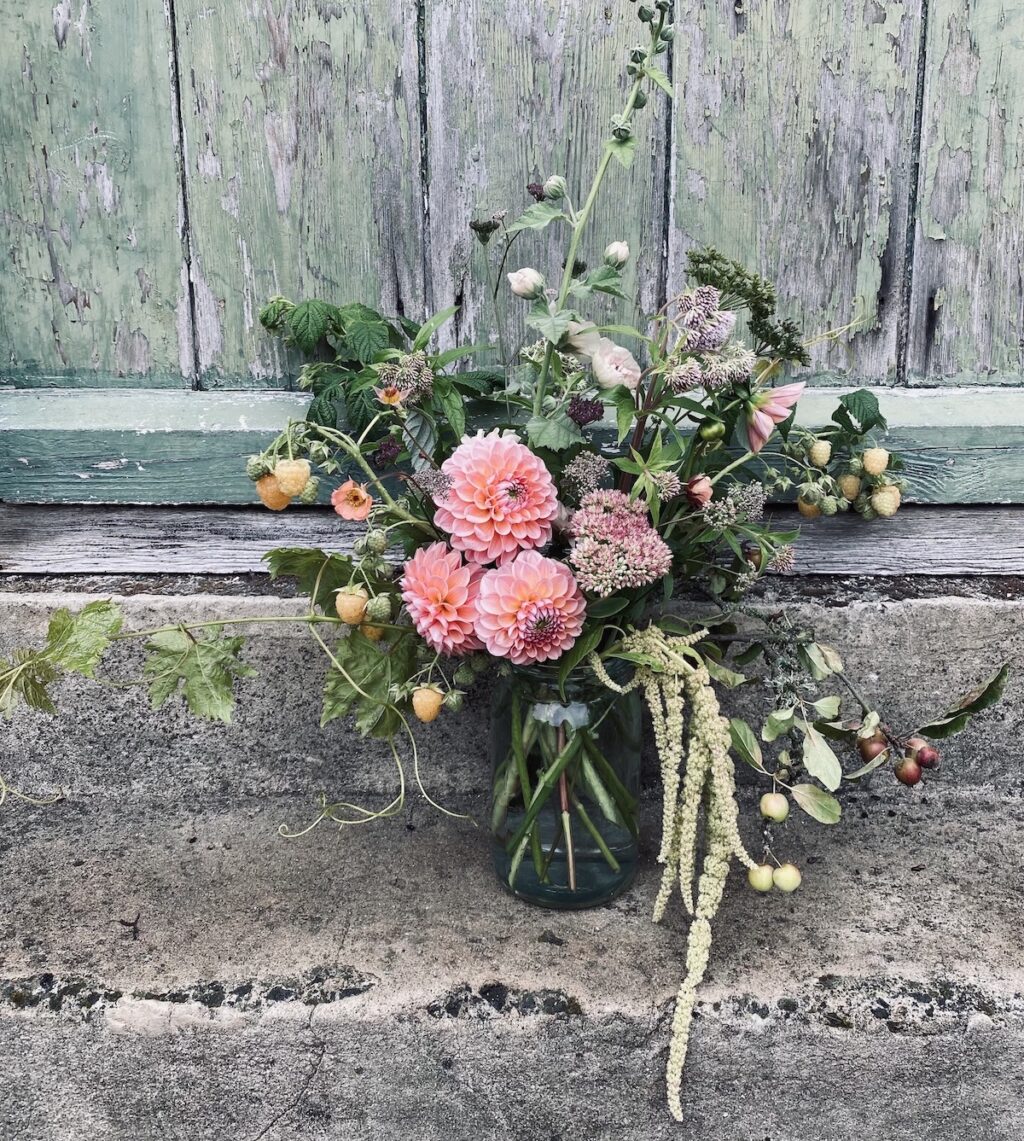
{"x": 140, "y": 446}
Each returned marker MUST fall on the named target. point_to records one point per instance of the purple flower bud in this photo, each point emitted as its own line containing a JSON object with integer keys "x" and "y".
{"x": 583, "y": 412}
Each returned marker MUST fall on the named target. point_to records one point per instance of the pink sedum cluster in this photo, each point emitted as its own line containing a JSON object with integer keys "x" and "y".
{"x": 615, "y": 547}
{"x": 440, "y": 592}
{"x": 501, "y": 500}
{"x": 530, "y": 609}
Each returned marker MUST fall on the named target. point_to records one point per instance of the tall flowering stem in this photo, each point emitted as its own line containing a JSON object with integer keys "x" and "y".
{"x": 583, "y": 217}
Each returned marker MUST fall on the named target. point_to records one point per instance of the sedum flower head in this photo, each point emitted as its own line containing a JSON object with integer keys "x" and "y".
{"x": 616, "y": 548}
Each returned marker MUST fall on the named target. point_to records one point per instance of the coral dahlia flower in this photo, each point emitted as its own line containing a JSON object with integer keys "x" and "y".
{"x": 352, "y": 501}
{"x": 770, "y": 407}
{"x": 529, "y": 610}
{"x": 502, "y": 498}
{"x": 440, "y": 591}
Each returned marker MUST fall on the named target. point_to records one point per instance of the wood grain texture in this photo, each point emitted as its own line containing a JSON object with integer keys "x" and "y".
{"x": 302, "y": 143}
{"x": 518, "y": 90}
{"x": 792, "y": 144}
{"x": 960, "y": 445}
{"x": 91, "y": 288}
{"x": 146, "y": 540}
{"x": 967, "y": 307}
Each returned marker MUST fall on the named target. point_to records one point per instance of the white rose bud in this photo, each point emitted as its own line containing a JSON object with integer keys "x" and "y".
{"x": 583, "y": 340}
{"x": 612, "y": 365}
{"x": 556, "y": 187}
{"x": 616, "y": 255}
{"x": 527, "y": 283}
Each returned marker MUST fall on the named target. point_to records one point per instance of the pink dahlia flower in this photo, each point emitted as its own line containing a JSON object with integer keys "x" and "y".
{"x": 770, "y": 407}
{"x": 530, "y": 609}
{"x": 501, "y": 500}
{"x": 440, "y": 591}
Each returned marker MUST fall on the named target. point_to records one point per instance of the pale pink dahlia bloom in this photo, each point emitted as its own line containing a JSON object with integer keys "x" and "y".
{"x": 769, "y": 407}
{"x": 616, "y": 547}
{"x": 440, "y": 592}
{"x": 530, "y": 609}
{"x": 502, "y": 498}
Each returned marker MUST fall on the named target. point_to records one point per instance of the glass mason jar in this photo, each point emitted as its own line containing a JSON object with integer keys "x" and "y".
{"x": 566, "y": 784}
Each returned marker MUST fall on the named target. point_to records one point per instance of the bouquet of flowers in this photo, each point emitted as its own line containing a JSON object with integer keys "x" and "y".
{"x": 535, "y": 515}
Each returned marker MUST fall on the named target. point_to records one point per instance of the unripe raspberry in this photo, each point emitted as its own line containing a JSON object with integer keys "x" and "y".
{"x": 272, "y": 495}
{"x": 377, "y": 542}
{"x": 885, "y": 501}
{"x": 829, "y": 505}
{"x": 292, "y": 476}
{"x": 378, "y": 609}
{"x": 426, "y": 703}
{"x": 308, "y": 495}
{"x": 850, "y": 485}
{"x": 820, "y": 452}
{"x": 464, "y": 675}
{"x": 453, "y": 700}
{"x": 256, "y": 467}
{"x": 350, "y": 603}
{"x": 374, "y": 633}
{"x": 808, "y": 510}
{"x": 875, "y": 460}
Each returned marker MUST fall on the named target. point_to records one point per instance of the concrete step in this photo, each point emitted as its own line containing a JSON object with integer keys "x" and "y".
{"x": 914, "y": 653}
{"x": 379, "y": 983}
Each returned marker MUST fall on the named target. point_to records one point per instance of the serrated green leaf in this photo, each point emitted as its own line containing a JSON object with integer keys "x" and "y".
{"x": 556, "y": 432}
{"x": 859, "y": 413}
{"x": 819, "y": 759}
{"x": 603, "y": 279}
{"x": 536, "y": 217}
{"x": 313, "y": 569}
{"x": 552, "y": 326}
{"x": 823, "y": 807}
{"x": 76, "y": 642}
{"x": 451, "y": 404}
{"x": 323, "y": 410}
{"x": 745, "y": 744}
{"x": 201, "y": 666}
{"x": 308, "y": 322}
{"x": 623, "y": 150}
{"x": 361, "y": 687}
{"x": 661, "y": 79}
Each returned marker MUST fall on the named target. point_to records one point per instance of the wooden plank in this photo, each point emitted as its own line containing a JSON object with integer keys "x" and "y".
{"x": 960, "y": 445}
{"x": 792, "y": 145}
{"x": 92, "y": 288}
{"x": 302, "y": 159}
{"x": 174, "y": 540}
{"x": 967, "y": 307}
{"x": 517, "y": 90}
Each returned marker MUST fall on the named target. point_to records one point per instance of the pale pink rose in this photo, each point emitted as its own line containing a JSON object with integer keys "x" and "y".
{"x": 583, "y": 340}
{"x": 616, "y": 254}
{"x": 352, "y": 501}
{"x": 440, "y": 592}
{"x": 770, "y": 407}
{"x": 526, "y": 283}
{"x": 501, "y": 498}
{"x": 612, "y": 365}
{"x": 530, "y": 610}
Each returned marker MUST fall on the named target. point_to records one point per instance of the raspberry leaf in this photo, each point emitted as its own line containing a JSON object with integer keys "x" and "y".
{"x": 362, "y": 684}
{"x": 201, "y": 666}
{"x": 314, "y": 570}
{"x": 76, "y": 642}
{"x": 308, "y": 323}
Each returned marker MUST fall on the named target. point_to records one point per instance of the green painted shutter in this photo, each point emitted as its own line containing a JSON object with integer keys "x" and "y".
{"x": 168, "y": 167}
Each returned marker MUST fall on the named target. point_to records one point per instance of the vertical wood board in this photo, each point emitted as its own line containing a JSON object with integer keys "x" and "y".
{"x": 302, "y": 145}
{"x": 967, "y": 307}
{"x": 518, "y": 90}
{"x": 91, "y": 287}
{"x": 792, "y": 146}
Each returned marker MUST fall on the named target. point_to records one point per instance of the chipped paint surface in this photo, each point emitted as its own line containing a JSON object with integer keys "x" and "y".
{"x": 88, "y": 286}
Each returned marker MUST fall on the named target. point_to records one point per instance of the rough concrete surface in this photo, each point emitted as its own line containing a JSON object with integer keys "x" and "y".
{"x": 379, "y": 984}
{"x": 913, "y": 656}
{"x": 171, "y": 968}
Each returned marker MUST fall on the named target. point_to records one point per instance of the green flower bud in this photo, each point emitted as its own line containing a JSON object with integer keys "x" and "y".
{"x": 555, "y": 187}
{"x": 641, "y": 101}
{"x": 310, "y": 492}
{"x": 646, "y": 14}
{"x": 623, "y": 132}
{"x": 638, "y": 55}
